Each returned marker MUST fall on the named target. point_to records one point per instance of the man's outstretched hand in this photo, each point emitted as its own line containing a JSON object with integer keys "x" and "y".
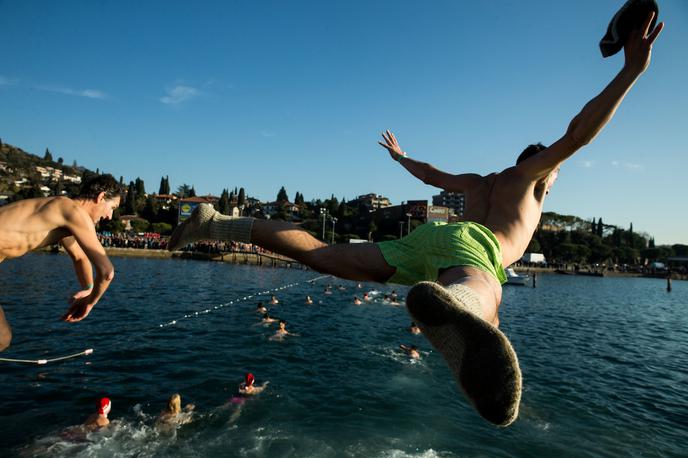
{"x": 80, "y": 308}
{"x": 392, "y": 145}
{"x": 638, "y": 48}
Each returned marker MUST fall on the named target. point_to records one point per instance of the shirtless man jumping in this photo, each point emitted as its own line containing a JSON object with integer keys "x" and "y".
{"x": 457, "y": 269}
{"x": 34, "y": 223}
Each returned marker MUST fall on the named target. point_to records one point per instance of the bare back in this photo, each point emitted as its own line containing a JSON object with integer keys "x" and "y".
{"x": 510, "y": 205}
{"x": 34, "y": 223}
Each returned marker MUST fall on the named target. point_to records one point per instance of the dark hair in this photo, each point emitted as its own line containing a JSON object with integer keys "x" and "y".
{"x": 91, "y": 187}
{"x": 531, "y": 150}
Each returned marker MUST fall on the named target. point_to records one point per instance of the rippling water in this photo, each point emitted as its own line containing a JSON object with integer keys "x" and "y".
{"x": 604, "y": 360}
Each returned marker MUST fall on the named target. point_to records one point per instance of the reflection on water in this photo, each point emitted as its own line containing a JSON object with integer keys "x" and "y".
{"x": 604, "y": 362}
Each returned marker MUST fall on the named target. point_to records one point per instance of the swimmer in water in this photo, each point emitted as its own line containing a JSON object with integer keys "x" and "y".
{"x": 357, "y": 301}
{"x": 268, "y": 319}
{"x": 248, "y": 386}
{"x": 173, "y": 413}
{"x": 274, "y": 300}
{"x": 327, "y": 291}
{"x": 309, "y": 301}
{"x": 411, "y": 351}
{"x": 30, "y": 224}
{"x": 366, "y": 297}
{"x": 282, "y": 331}
{"x": 414, "y": 329}
{"x": 100, "y": 418}
{"x": 260, "y": 308}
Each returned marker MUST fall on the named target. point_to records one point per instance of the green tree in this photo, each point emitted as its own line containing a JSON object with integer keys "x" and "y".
{"x": 164, "y": 185}
{"x": 600, "y": 227}
{"x": 192, "y": 192}
{"x": 139, "y": 225}
{"x": 223, "y": 203}
{"x": 150, "y": 209}
{"x": 183, "y": 190}
{"x": 282, "y": 195}
{"x": 140, "y": 188}
{"x": 161, "y": 228}
{"x": 130, "y": 200}
{"x": 48, "y": 156}
{"x": 241, "y": 198}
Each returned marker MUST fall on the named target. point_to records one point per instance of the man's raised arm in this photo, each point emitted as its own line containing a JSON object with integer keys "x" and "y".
{"x": 598, "y": 111}
{"x": 426, "y": 172}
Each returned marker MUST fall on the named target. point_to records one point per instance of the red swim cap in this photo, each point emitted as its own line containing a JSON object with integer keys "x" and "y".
{"x": 104, "y": 406}
{"x": 250, "y": 379}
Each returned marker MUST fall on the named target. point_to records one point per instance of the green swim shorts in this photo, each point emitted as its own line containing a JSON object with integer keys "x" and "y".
{"x": 435, "y": 246}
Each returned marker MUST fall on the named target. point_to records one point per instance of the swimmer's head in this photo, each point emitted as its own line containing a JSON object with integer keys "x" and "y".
{"x": 174, "y": 405}
{"x": 104, "y": 406}
{"x": 265, "y": 316}
{"x": 249, "y": 379}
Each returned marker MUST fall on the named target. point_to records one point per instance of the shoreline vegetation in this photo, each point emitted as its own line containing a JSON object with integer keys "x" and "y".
{"x": 275, "y": 260}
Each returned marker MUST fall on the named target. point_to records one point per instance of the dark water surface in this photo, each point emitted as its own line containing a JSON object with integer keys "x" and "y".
{"x": 604, "y": 360}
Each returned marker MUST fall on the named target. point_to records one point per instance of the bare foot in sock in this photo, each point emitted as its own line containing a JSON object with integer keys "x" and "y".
{"x": 480, "y": 356}
{"x": 195, "y": 227}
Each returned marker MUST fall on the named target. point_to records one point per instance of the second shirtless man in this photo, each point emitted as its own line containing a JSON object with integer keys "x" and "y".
{"x": 30, "y": 224}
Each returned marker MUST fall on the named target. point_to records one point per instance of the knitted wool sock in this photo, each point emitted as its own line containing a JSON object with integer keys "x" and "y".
{"x": 205, "y": 223}
{"x": 479, "y": 355}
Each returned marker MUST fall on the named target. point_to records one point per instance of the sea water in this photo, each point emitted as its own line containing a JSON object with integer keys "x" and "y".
{"x": 604, "y": 361}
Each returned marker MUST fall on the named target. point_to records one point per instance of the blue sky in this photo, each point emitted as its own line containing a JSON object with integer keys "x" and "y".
{"x": 295, "y": 94}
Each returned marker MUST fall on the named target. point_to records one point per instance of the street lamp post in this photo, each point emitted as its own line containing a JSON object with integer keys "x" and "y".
{"x": 334, "y": 220}
{"x": 323, "y": 213}
{"x": 408, "y": 225}
{"x": 401, "y": 229}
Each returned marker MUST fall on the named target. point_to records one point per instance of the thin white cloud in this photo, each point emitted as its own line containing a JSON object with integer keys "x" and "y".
{"x": 588, "y": 164}
{"x": 88, "y": 93}
{"x": 627, "y": 165}
{"x": 5, "y": 81}
{"x": 179, "y": 94}
{"x": 266, "y": 134}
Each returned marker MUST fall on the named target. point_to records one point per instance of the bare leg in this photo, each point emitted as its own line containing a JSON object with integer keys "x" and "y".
{"x": 352, "y": 261}
{"x": 5, "y": 331}
{"x": 362, "y": 261}
{"x": 485, "y": 285}
{"x": 460, "y": 321}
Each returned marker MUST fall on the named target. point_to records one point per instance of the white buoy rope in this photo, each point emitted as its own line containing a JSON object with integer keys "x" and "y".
{"x": 237, "y": 301}
{"x": 46, "y": 361}
{"x": 169, "y": 323}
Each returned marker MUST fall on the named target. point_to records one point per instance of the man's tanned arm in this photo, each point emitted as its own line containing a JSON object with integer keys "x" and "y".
{"x": 84, "y": 233}
{"x": 599, "y": 111}
{"x": 425, "y": 172}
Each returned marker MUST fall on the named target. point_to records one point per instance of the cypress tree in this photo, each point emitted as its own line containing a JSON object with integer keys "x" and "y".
{"x": 130, "y": 200}
{"x": 48, "y": 156}
{"x": 241, "y": 199}
{"x": 192, "y": 192}
{"x": 223, "y": 203}
{"x": 600, "y": 227}
{"x": 140, "y": 188}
